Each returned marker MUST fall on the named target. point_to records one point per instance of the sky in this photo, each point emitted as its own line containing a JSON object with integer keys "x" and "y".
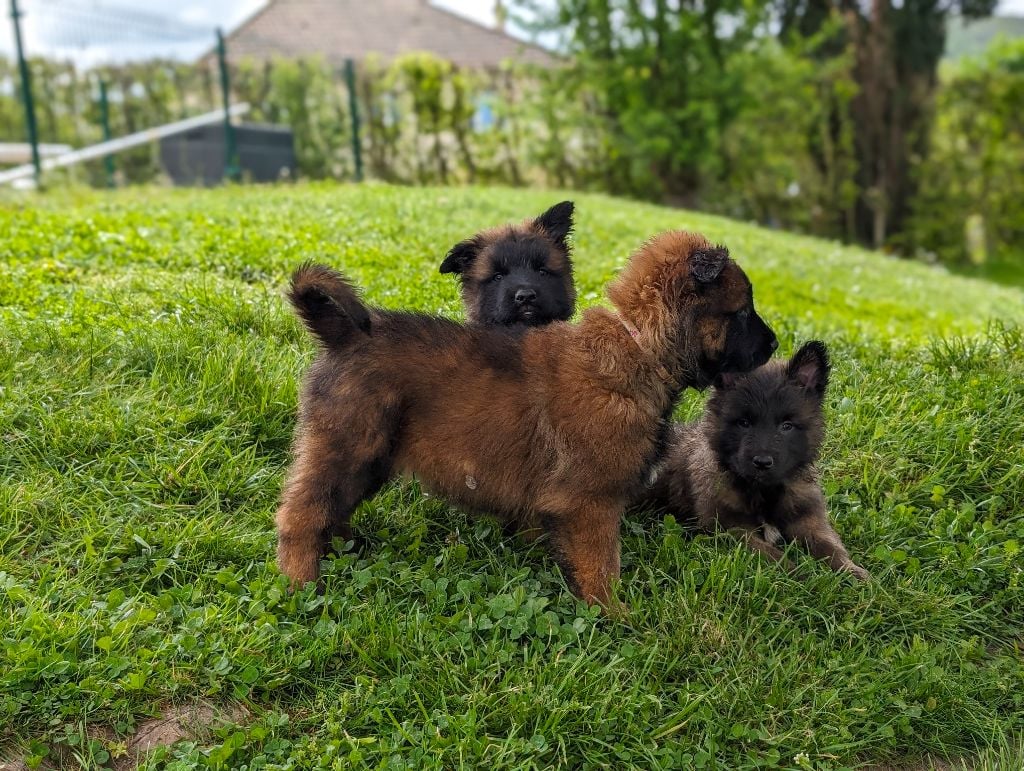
{"x": 89, "y": 32}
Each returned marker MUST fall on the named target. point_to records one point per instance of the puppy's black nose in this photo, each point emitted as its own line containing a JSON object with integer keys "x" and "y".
{"x": 764, "y": 461}
{"x": 525, "y": 295}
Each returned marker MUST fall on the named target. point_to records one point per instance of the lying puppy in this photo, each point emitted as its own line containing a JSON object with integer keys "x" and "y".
{"x": 747, "y": 465}
{"x": 517, "y": 274}
{"x": 554, "y": 428}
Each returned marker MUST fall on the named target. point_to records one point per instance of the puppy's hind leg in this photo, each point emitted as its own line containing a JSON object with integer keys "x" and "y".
{"x": 585, "y": 543}
{"x": 329, "y": 479}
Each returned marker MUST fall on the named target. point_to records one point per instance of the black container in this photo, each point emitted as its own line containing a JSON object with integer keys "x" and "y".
{"x": 265, "y": 154}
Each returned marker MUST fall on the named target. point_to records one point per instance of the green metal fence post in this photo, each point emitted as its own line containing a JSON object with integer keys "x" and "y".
{"x": 353, "y": 108}
{"x": 26, "y": 92}
{"x": 231, "y": 170}
{"x": 108, "y": 160}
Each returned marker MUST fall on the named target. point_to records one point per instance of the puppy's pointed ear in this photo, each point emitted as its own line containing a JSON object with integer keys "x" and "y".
{"x": 726, "y": 380}
{"x": 706, "y": 264}
{"x": 556, "y": 223}
{"x": 810, "y": 367}
{"x": 461, "y": 256}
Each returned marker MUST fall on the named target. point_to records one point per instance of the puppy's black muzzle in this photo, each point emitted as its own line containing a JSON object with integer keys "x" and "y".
{"x": 749, "y": 343}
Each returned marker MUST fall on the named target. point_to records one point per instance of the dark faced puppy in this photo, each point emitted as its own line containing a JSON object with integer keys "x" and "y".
{"x": 553, "y": 428}
{"x": 748, "y": 464}
{"x": 768, "y": 425}
{"x": 517, "y": 274}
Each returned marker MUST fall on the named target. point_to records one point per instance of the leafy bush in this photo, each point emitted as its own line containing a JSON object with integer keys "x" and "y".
{"x": 744, "y": 126}
{"x": 308, "y": 96}
{"x": 971, "y": 176}
{"x": 787, "y": 158}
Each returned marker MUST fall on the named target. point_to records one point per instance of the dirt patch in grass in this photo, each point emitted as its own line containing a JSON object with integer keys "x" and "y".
{"x": 187, "y": 721}
{"x": 177, "y": 722}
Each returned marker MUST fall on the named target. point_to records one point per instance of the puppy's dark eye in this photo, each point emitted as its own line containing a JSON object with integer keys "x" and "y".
{"x": 786, "y": 426}
{"x": 497, "y": 277}
{"x": 542, "y": 271}
{"x": 743, "y": 423}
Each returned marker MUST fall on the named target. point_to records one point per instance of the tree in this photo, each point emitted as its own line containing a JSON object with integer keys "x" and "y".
{"x": 970, "y": 184}
{"x": 664, "y": 82}
{"x": 897, "y": 48}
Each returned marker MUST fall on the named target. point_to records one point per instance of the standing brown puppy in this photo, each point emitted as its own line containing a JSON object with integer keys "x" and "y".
{"x": 747, "y": 465}
{"x": 555, "y": 428}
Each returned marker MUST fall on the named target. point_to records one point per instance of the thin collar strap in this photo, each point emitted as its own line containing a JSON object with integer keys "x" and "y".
{"x": 655, "y": 364}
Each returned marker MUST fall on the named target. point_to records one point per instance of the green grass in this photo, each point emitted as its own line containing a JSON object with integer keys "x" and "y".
{"x": 148, "y": 371}
{"x": 1006, "y": 269}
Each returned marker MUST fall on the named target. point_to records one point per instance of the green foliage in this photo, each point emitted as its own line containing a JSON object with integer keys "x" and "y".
{"x": 741, "y": 125}
{"x": 699, "y": 105}
{"x": 897, "y": 47}
{"x": 788, "y": 158}
{"x": 148, "y": 376}
{"x": 750, "y": 141}
{"x": 663, "y": 80}
{"x": 787, "y": 113}
{"x": 306, "y": 95}
{"x": 141, "y": 95}
{"x": 973, "y": 167}
{"x": 424, "y": 78}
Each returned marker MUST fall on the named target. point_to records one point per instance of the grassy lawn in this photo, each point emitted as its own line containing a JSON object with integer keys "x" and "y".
{"x": 1007, "y": 270}
{"x": 148, "y": 372}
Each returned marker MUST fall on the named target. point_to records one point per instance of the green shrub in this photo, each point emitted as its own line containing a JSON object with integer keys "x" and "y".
{"x": 971, "y": 177}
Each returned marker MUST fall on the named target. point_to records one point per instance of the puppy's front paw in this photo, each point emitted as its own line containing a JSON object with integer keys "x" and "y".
{"x": 857, "y": 572}
{"x": 772, "y": 535}
{"x": 617, "y": 610}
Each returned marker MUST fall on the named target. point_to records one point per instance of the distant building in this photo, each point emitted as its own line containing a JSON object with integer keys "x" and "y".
{"x": 341, "y": 29}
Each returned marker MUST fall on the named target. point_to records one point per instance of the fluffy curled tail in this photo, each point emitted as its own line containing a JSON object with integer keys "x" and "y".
{"x": 328, "y": 304}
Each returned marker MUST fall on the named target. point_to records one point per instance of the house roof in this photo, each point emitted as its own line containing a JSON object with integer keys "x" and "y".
{"x": 342, "y": 29}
